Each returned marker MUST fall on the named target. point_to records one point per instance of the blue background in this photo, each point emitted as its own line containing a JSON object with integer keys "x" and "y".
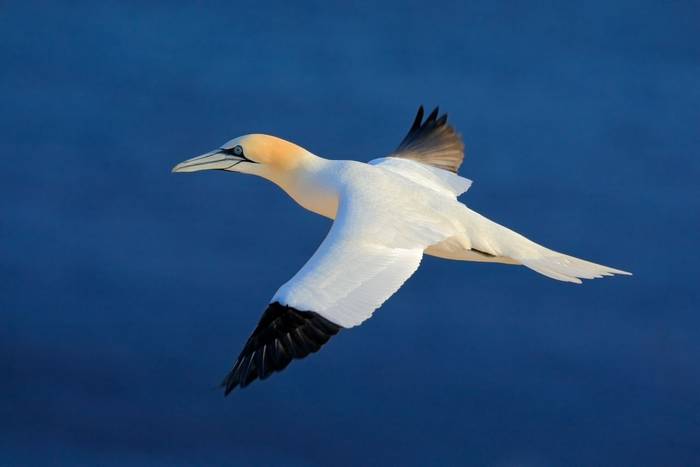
{"x": 126, "y": 292}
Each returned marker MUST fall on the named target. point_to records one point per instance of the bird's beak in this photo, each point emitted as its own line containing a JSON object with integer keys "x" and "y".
{"x": 214, "y": 160}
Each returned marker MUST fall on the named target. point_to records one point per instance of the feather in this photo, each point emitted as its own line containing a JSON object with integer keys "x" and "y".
{"x": 432, "y": 142}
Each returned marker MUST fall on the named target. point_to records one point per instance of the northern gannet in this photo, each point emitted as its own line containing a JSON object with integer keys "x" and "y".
{"x": 387, "y": 213}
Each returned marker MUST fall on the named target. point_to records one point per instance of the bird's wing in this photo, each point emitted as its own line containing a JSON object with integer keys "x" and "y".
{"x": 432, "y": 142}
{"x": 372, "y": 248}
{"x": 442, "y": 181}
{"x": 374, "y": 245}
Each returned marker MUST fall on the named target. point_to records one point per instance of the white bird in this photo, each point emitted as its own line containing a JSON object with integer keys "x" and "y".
{"x": 387, "y": 213}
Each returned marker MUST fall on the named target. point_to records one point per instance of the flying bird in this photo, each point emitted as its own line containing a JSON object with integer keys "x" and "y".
{"x": 387, "y": 214}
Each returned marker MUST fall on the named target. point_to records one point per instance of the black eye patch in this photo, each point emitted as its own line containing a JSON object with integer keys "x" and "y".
{"x": 234, "y": 151}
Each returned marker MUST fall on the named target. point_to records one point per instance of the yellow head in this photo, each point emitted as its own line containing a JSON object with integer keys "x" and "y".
{"x": 256, "y": 154}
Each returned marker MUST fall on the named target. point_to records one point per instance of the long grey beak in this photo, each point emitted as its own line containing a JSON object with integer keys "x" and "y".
{"x": 213, "y": 160}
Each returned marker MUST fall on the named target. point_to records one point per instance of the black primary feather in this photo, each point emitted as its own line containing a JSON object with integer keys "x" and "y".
{"x": 282, "y": 334}
{"x": 432, "y": 142}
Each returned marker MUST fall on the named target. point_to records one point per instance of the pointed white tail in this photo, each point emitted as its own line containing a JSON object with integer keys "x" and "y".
{"x": 492, "y": 238}
{"x": 567, "y": 268}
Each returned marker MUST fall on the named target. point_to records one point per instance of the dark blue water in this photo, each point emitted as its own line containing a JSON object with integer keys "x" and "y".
{"x": 126, "y": 292}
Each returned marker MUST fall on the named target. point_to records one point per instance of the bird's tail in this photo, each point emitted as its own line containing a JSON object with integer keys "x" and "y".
{"x": 567, "y": 268}
{"x": 495, "y": 239}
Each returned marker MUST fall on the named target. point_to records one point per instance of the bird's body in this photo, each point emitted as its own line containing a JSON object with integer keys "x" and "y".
{"x": 319, "y": 189}
{"x": 387, "y": 213}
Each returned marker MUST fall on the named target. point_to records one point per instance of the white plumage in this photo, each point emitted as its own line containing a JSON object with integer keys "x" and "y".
{"x": 387, "y": 214}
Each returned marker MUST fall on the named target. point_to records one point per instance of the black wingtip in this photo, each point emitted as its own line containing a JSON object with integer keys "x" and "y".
{"x": 283, "y": 333}
{"x": 433, "y": 115}
{"x": 228, "y": 383}
{"x": 432, "y": 141}
{"x": 418, "y": 121}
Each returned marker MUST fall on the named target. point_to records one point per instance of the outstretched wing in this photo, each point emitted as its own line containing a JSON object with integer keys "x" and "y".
{"x": 369, "y": 252}
{"x": 432, "y": 142}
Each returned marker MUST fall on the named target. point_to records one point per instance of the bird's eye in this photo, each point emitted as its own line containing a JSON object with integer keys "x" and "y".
{"x": 238, "y": 150}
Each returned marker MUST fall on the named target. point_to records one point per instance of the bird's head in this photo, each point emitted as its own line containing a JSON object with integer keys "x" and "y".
{"x": 263, "y": 155}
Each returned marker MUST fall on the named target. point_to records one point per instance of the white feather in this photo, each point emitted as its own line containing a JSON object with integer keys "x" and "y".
{"x": 389, "y": 213}
{"x": 492, "y": 238}
{"x": 382, "y": 226}
{"x": 426, "y": 175}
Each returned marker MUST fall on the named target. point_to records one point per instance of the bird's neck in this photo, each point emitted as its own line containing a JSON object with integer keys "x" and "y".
{"x": 310, "y": 184}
